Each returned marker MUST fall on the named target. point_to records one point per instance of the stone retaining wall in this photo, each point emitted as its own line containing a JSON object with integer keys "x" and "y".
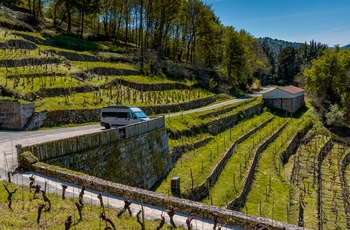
{"x": 178, "y": 150}
{"x": 226, "y": 110}
{"x": 294, "y": 143}
{"x": 239, "y": 201}
{"x": 34, "y": 75}
{"x": 18, "y": 44}
{"x": 54, "y": 149}
{"x": 195, "y": 209}
{"x": 60, "y": 117}
{"x": 136, "y": 155}
{"x": 107, "y": 71}
{"x": 73, "y": 56}
{"x": 201, "y": 191}
{"x": 28, "y": 61}
{"x": 218, "y": 125}
{"x": 145, "y": 87}
{"x": 345, "y": 187}
{"x": 54, "y": 92}
{"x": 139, "y": 161}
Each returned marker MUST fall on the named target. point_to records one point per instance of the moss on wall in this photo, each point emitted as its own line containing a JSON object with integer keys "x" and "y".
{"x": 139, "y": 161}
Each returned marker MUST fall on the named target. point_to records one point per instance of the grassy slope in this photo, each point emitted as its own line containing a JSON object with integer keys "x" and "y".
{"x": 231, "y": 180}
{"x": 25, "y": 208}
{"x": 201, "y": 161}
{"x": 269, "y": 196}
{"x": 22, "y": 86}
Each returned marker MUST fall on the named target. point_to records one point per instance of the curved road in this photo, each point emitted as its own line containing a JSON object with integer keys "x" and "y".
{"x": 8, "y": 162}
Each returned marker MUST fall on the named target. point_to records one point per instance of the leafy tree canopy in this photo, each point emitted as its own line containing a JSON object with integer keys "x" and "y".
{"x": 329, "y": 79}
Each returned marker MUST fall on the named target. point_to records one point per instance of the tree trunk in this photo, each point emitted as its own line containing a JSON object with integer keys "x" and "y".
{"x": 82, "y": 22}
{"x": 141, "y": 37}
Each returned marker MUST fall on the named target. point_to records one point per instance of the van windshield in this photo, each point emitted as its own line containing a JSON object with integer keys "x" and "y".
{"x": 140, "y": 114}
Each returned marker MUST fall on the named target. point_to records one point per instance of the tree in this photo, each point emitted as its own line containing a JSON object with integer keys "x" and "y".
{"x": 235, "y": 61}
{"x": 329, "y": 79}
{"x": 256, "y": 61}
{"x": 287, "y": 66}
{"x": 86, "y": 7}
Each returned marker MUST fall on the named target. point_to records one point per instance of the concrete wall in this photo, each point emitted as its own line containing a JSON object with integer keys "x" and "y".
{"x": 136, "y": 155}
{"x": 14, "y": 115}
{"x": 192, "y": 208}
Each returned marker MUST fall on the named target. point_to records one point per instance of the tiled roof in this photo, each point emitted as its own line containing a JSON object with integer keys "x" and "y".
{"x": 291, "y": 89}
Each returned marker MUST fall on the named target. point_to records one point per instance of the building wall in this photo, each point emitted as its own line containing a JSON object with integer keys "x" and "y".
{"x": 14, "y": 115}
{"x": 298, "y": 102}
{"x": 288, "y": 104}
{"x": 277, "y": 93}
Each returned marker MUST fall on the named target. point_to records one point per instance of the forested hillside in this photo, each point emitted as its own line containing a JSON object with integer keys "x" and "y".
{"x": 277, "y": 45}
{"x": 70, "y": 58}
{"x": 177, "y": 39}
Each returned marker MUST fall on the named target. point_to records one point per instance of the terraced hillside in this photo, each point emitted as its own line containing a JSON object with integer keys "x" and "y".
{"x": 57, "y": 79}
{"x": 276, "y": 167}
{"x": 321, "y": 195}
{"x": 240, "y": 157}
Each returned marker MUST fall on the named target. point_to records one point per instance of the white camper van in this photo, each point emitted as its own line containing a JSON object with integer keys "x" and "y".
{"x": 121, "y": 115}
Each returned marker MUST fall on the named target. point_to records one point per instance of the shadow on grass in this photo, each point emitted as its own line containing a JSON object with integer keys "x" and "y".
{"x": 72, "y": 43}
{"x": 282, "y": 113}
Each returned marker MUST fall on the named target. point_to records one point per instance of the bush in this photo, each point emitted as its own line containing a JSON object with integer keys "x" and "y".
{"x": 335, "y": 117}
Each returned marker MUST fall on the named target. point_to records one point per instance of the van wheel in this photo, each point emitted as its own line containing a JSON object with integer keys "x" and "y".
{"x": 107, "y": 126}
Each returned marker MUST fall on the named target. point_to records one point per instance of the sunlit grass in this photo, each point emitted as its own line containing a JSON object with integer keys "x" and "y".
{"x": 82, "y": 65}
{"x": 269, "y": 196}
{"x": 185, "y": 121}
{"x": 126, "y": 97}
{"x": 332, "y": 193}
{"x": 201, "y": 161}
{"x": 231, "y": 180}
{"x": 25, "y": 212}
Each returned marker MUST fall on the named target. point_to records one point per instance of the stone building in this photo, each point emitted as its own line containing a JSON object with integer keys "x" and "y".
{"x": 288, "y": 98}
{"x": 15, "y": 115}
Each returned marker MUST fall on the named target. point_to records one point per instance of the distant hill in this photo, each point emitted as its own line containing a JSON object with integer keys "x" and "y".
{"x": 277, "y": 45}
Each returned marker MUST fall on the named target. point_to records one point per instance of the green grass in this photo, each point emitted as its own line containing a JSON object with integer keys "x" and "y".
{"x": 82, "y": 65}
{"x": 76, "y": 44}
{"x": 154, "y": 80}
{"x": 309, "y": 152}
{"x": 187, "y": 140}
{"x": 269, "y": 195}
{"x": 126, "y": 96}
{"x": 25, "y": 209}
{"x": 231, "y": 180}
{"x": 331, "y": 189}
{"x": 183, "y": 122}
{"x": 32, "y": 34}
{"x": 202, "y": 160}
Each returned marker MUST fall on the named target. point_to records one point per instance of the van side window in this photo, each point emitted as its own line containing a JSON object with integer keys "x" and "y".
{"x": 122, "y": 115}
{"x": 109, "y": 114}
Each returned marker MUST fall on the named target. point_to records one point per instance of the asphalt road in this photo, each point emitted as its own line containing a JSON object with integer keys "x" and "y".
{"x": 8, "y": 162}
